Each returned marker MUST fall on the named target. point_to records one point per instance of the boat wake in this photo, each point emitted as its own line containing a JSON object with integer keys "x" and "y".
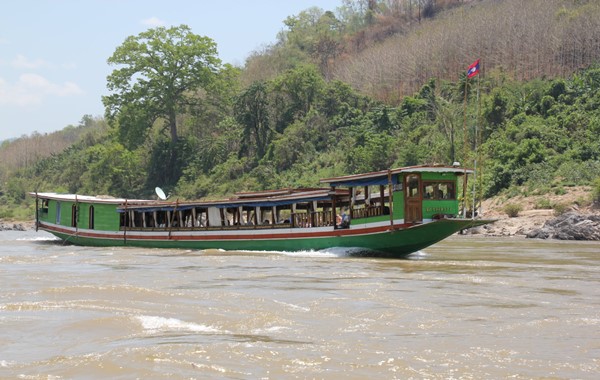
{"x": 154, "y": 324}
{"x": 40, "y": 239}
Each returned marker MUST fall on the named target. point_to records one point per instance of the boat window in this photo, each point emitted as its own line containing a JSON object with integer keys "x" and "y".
{"x": 45, "y": 206}
{"x": 74, "y": 215}
{"x": 412, "y": 184}
{"x": 91, "y": 218}
{"x": 439, "y": 190}
{"x": 57, "y": 212}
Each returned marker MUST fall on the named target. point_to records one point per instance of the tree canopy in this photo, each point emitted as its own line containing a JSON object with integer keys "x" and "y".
{"x": 161, "y": 72}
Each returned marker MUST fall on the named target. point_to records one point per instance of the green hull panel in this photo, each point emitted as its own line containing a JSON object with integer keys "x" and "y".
{"x": 395, "y": 243}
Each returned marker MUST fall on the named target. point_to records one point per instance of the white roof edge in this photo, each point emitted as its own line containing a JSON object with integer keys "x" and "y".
{"x": 408, "y": 169}
{"x": 85, "y": 198}
{"x": 439, "y": 170}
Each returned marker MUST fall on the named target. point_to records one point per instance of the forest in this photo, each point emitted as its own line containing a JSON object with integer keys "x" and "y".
{"x": 371, "y": 85}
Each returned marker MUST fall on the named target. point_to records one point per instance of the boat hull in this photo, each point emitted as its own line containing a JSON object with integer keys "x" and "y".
{"x": 383, "y": 240}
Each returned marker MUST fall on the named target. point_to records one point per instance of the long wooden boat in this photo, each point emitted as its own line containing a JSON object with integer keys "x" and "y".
{"x": 391, "y": 213}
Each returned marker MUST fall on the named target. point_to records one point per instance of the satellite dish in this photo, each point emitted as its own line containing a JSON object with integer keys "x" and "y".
{"x": 160, "y": 193}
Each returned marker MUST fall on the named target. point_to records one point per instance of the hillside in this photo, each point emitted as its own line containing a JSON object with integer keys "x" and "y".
{"x": 399, "y": 47}
{"x": 284, "y": 120}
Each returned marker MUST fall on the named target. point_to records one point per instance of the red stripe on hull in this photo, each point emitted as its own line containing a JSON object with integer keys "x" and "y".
{"x": 227, "y": 237}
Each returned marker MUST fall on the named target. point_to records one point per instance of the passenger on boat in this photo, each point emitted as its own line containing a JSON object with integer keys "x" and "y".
{"x": 343, "y": 219}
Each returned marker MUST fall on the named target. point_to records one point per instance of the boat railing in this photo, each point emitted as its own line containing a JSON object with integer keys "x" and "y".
{"x": 312, "y": 219}
{"x": 212, "y": 228}
{"x": 367, "y": 212}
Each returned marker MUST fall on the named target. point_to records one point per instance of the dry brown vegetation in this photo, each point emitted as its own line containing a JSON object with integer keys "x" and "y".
{"x": 29, "y": 149}
{"x": 523, "y": 39}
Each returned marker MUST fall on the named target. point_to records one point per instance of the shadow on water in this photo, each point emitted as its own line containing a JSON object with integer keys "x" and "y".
{"x": 187, "y": 338}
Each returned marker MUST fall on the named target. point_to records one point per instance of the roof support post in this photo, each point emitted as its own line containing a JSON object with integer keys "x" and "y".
{"x": 391, "y": 197}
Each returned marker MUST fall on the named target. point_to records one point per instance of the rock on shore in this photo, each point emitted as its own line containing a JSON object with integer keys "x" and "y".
{"x": 6, "y": 226}
{"x": 569, "y": 226}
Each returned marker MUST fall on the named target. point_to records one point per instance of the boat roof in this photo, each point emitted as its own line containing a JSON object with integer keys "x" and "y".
{"x": 253, "y": 199}
{"x": 381, "y": 177}
{"x": 107, "y": 199}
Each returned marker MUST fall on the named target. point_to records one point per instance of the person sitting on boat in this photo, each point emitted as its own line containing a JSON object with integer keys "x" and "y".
{"x": 344, "y": 219}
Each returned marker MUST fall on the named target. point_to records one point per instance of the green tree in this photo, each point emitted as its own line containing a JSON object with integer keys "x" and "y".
{"x": 112, "y": 169}
{"x": 161, "y": 71}
{"x": 296, "y": 92}
{"x": 251, "y": 110}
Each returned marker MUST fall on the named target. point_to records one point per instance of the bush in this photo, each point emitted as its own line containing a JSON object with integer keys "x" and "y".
{"x": 542, "y": 204}
{"x": 6, "y": 213}
{"x": 560, "y": 191}
{"x": 584, "y": 201}
{"x": 596, "y": 191}
{"x": 512, "y": 210}
{"x": 560, "y": 208}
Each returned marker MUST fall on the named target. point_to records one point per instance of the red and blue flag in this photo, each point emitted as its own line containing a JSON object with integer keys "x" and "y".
{"x": 473, "y": 69}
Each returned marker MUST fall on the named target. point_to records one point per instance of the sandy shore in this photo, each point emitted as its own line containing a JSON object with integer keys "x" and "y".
{"x": 521, "y": 225}
{"x": 576, "y": 200}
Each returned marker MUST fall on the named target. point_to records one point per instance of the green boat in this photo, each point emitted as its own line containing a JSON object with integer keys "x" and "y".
{"x": 388, "y": 213}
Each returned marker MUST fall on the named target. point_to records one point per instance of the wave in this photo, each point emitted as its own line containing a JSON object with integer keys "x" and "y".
{"x": 39, "y": 238}
{"x": 155, "y": 324}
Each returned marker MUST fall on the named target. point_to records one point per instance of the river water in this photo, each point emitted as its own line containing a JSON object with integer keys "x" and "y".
{"x": 466, "y": 308}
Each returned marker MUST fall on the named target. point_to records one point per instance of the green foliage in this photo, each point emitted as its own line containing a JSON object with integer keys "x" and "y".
{"x": 160, "y": 72}
{"x": 596, "y": 191}
{"x": 542, "y": 204}
{"x": 113, "y": 170}
{"x": 295, "y": 93}
{"x": 576, "y": 173}
{"x": 512, "y": 210}
{"x": 15, "y": 190}
{"x": 167, "y": 162}
{"x": 371, "y": 152}
{"x": 560, "y": 208}
{"x": 252, "y": 111}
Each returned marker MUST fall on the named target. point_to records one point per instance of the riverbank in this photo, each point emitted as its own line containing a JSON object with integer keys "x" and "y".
{"x": 578, "y": 219}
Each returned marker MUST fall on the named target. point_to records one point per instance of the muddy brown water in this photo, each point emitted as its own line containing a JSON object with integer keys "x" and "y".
{"x": 466, "y": 308}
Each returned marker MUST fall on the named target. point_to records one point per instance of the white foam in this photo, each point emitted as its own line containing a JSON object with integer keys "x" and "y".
{"x": 40, "y": 238}
{"x": 324, "y": 253}
{"x": 292, "y": 306}
{"x": 156, "y": 324}
{"x": 272, "y": 329}
{"x": 418, "y": 255}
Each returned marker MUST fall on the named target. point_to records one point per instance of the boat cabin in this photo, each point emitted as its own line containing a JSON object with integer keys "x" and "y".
{"x": 413, "y": 194}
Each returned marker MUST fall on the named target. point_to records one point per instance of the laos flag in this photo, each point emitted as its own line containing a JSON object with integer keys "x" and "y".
{"x": 473, "y": 69}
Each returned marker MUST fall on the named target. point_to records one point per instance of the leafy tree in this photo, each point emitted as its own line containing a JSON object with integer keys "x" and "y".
{"x": 375, "y": 153}
{"x": 252, "y": 111}
{"x": 294, "y": 144}
{"x": 296, "y": 92}
{"x": 161, "y": 72}
{"x": 113, "y": 170}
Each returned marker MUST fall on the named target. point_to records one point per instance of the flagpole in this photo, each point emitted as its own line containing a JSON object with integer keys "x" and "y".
{"x": 479, "y": 152}
{"x": 471, "y": 72}
{"x": 476, "y": 146}
{"x": 464, "y": 203}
